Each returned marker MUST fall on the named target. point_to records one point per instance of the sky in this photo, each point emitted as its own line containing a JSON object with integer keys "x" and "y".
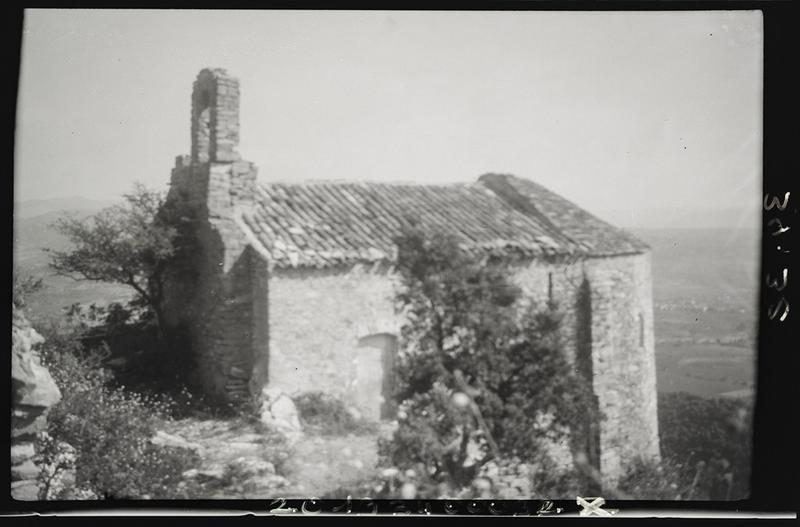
{"x": 630, "y": 115}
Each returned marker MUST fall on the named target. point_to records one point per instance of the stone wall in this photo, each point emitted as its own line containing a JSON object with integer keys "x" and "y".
{"x": 33, "y": 393}
{"x": 621, "y": 346}
{"x": 217, "y": 290}
{"x": 215, "y": 117}
{"x": 623, "y": 352}
{"x": 316, "y": 320}
{"x": 317, "y": 317}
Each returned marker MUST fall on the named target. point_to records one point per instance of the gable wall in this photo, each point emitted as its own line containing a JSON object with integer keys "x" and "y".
{"x": 624, "y": 361}
{"x": 316, "y": 318}
{"x": 621, "y": 345}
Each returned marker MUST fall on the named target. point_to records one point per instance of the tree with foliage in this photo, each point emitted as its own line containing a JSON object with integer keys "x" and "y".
{"x": 481, "y": 372}
{"x": 133, "y": 243}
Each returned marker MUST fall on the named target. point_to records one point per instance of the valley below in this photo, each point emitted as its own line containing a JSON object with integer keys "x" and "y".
{"x": 705, "y": 292}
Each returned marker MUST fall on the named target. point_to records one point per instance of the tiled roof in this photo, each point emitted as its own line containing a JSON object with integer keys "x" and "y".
{"x": 325, "y": 224}
{"x": 596, "y": 236}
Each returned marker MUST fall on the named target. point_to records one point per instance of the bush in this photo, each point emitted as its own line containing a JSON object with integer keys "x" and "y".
{"x": 705, "y": 449}
{"x": 328, "y": 415}
{"x": 108, "y": 428}
{"x": 667, "y": 480}
{"x": 706, "y": 428}
{"x": 481, "y": 374}
{"x": 392, "y": 483}
{"x": 136, "y": 356}
{"x": 24, "y": 284}
{"x": 506, "y": 478}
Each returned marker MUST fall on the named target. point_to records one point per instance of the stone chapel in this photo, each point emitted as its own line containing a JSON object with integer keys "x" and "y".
{"x": 293, "y": 284}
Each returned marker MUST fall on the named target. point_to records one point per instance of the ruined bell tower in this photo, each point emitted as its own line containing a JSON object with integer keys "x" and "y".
{"x": 215, "y": 294}
{"x": 214, "y": 179}
{"x": 215, "y": 117}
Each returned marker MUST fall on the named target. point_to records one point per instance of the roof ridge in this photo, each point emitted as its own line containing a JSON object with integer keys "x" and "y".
{"x": 525, "y": 205}
{"x": 543, "y": 203}
{"x": 366, "y": 183}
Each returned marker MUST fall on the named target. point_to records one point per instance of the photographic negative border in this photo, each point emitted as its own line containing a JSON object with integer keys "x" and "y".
{"x": 774, "y": 486}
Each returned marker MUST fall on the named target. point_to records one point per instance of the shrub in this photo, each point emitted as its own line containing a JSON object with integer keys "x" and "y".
{"x": 506, "y": 478}
{"x": 705, "y": 449}
{"x": 108, "y": 428}
{"x": 392, "y": 483}
{"x": 481, "y": 374}
{"x": 24, "y": 285}
{"x": 709, "y": 428}
{"x": 328, "y": 415}
{"x": 135, "y": 356}
{"x": 667, "y": 480}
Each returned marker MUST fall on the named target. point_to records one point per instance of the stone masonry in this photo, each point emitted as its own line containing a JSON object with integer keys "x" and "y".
{"x": 213, "y": 185}
{"x": 292, "y": 285}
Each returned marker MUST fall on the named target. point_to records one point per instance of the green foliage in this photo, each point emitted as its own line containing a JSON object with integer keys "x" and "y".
{"x": 125, "y": 342}
{"x": 706, "y": 428}
{"x": 706, "y": 451}
{"x": 108, "y": 427}
{"x": 481, "y": 373}
{"x": 132, "y": 244}
{"x": 504, "y": 478}
{"x": 667, "y": 480}
{"x": 432, "y": 437}
{"x": 328, "y": 415}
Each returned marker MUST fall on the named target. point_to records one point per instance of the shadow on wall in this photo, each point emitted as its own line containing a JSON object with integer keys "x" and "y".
{"x": 221, "y": 309}
{"x": 590, "y": 436}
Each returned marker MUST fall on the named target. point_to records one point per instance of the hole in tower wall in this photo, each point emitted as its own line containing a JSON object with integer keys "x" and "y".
{"x": 201, "y": 123}
{"x": 204, "y": 99}
{"x": 202, "y": 134}
{"x": 589, "y": 441}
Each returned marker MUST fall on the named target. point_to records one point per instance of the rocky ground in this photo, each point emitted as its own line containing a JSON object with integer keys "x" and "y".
{"x": 242, "y": 459}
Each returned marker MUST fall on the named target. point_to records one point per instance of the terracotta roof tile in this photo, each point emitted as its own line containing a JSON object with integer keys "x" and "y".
{"x": 325, "y": 223}
{"x": 598, "y": 237}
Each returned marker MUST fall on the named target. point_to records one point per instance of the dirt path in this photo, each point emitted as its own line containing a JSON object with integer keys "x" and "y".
{"x": 240, "y": 460}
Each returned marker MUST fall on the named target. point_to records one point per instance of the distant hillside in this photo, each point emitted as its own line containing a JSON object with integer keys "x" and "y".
{"x": 680, "y": 218}
{"x": 30, "y": 208}
{"x": 710, "y": 266}
{"x": 34, "y": 234}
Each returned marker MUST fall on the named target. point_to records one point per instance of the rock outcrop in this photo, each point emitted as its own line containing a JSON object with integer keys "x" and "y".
{"x": 279, "y": 413}
{"x": 33, "y": 393}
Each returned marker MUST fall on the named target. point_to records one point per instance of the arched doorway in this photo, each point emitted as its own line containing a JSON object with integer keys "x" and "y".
{"x": 374, "y": 375}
